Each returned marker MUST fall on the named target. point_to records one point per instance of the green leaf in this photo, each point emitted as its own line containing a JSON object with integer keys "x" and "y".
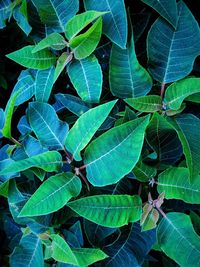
{"x": 54, "y": 41}
{"x": 175, "y": 183}
{"x": 109, "y": 210}
{"x": 187, "y": 127}
{"x": 44, "y": 84}
{"x": 61, "y": 251}
{"x": 144, "y": 172}
{"x": 49, "y": 161}
{"x": 41, "y": 60}
{"x": 52, "y": 195}
{"x": 63, "y": 60}
{"x": 178, "y": 91}
{"x": 149, "y": 217}
{"x": 178, "y": 240}
{"x": 56, "y": 13}
{"x": 6, "y": 130}
{"x": 150, "y": 103}
{"x": 86, "y": 77}
{"x": 46, "y": 125}
{"x": 85, "y": 127}
{"x": 172, "y": 52}
{"x": 88, "y": 256}
{"x": 194, "y": 98}
{"x": 115, "y": 153}
{"x": 4, "y": 188}
{"x": 84, "y": 44}
{"x": 167, "y": 9}
{"x": 126, "y": 76}
{"x": 115, "y": 22}
{"x": 80, "y": 21}
{"x": 28, "y": 253}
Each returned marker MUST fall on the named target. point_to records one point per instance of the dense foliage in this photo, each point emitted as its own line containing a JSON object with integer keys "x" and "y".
{"x": 99, "y": 133}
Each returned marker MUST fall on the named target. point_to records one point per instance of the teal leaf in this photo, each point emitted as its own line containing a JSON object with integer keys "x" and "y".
{"x": 175, "y": 183}
{"x": 21, "y": 20}
{"x": 48, "y": 161}
{"x": 109, "y": 210}
{"x": 2, "y": 121}
{"x": 44, "y": 81}
{"x": 150, "y": 103}
{"x": 167, "y": 9}
{"x": 115, "y": 22}
{"x": 85, "y": 127}
{"x": 187, "y": 128}
{"x": 43, "y": 59}
{"x": 172, "y": 52}
{"x": 4, "y": 12}
{"x": 178, "y": 240}
{"x": 52, "y": 195}
{"x": 54, "y": 41}
{"x": 122, "y": 145}
{"x": 29, "y": 252}
{"x": 45, "y": 123}
{"x": 86, "y": 77}
{"x": 56, "y": 13}
{"x": 178, "y": 91}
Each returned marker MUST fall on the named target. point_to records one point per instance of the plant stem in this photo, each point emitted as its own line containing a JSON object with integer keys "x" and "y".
{"x": 161, "y": 212}
{"x": 82, "y": 167}
{"x": 70, "y": 159}
{"x": 79, "y": 173}
{"x": 15, "y": 141}
{"x": 162, "y": 92}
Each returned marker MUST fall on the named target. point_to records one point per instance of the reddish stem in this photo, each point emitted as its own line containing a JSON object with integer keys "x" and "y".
{"x": 161, "y": 212}
{"x": 162, "y": 92}
{"x": 79, "y": 173}
{"x": 140, "y": 189}
{"x": 82, "y": 167}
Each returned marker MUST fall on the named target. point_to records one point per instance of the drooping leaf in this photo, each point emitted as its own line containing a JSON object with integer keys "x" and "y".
{"x": 122, "y": 145}
{"x": 46, "y": 125}
{"x": 54, "y": 41}
{"x": 172, "y": 51}
{"x": 84, "y": 44}
{"x": 61, "y": 251}
{"x": 175, "y": 182}
{"x": 43, "y": 84}
{"x": 80, "y": 21}
{"x": 166, "y": 8}
{"x": 21, "y": 19}
{"x": 178, "y": 91}
{"x": 114, "y": 22}
{"x": 28, "y": 253}
{"x": 131, "y": 248}
{"x": 56, "y": 13}
{"x": 108, "y": 210}
{"x": 126, "y": 76}
{"x": 150, "y": 103}
{"x": 187, "y": 128}
{"x": 52, "y": 195}
{"x": 48, "y": 161}
{"x": 163, "y": 140}
{"x": 85, "y": 127}
{"x": 41, "y": 60}
{"x": 86, "y": 76}
{"x": 174, "y": 240}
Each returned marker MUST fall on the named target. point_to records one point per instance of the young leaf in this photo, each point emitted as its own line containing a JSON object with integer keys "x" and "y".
{"x": 80, "y": 21}
{"x": 56, "y": 13}
{"x": 54, "y": 41}
{"x": 44, "y": 84}
{"x": 187, "y": 127}
{"x": 86, "y": 77}
{"x": 85, "y": 127}
{"x": 28, "y": 252}
{"x": 172, "y": 52}
{"x": 48, "y": 161}
{"x": 63, "y": 60}
{"x": 150, "y": 103}
{"x": 41, "y": 60}
{"x": 176, "y": 235}
{"x": 167, "y": 9}
{"x": 45, "y": 123}
{"x": 52, "y": 195}
{"x": 175, "y": 182}
{"x": 88, "y": 256}
{"x": 114, "y": 22}
{"x": 84, "y": 44}
{"x": 109, "y": 210}
{"x": 178, "y": 91}
{"x": 149, "y": 217}
{"x": 118, "y": 148}
{"x": 126, "y": 76}
{"x": 61, "y": 251}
